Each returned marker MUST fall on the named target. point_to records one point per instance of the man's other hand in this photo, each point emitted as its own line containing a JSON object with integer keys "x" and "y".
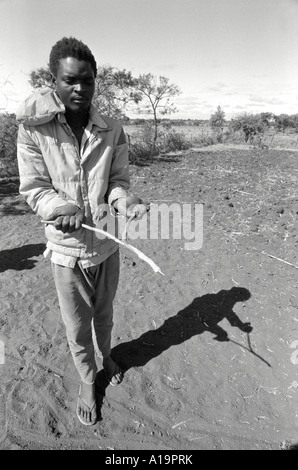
{"x": 68, "y": 218}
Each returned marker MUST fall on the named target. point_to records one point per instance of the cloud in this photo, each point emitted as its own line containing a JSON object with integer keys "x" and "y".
{"x": 154, "y": 68}
{"x": 166, "y": 67}
{"x": 238, "y": 106}
{"x": 236, "y": 98}
{"x": 259, "y": 76}
{"x": 216, "y": 64}
{"x": 218, "y": 87}
{"x": 257, "y": 99}
{"x": 254, "y": 105}
{"x": 193, "y": 107}
{"x": 188, "y": 100}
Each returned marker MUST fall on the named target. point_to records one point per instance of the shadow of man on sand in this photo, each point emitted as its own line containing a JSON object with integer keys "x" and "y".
{"x": 19, "y": 258}
{"x": 203, "y": 314}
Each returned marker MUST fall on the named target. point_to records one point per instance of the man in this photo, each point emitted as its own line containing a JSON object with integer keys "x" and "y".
{"x": 73, "y": 166}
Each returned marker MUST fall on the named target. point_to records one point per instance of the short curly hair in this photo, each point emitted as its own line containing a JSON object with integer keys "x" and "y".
{"x": 70, "y": 47}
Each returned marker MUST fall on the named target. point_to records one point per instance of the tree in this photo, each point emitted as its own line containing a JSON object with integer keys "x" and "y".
{"x": 217, "y": 123}
{"x": 295, "y": 122}
{"x": 40, "y": 78}
{"x": 267, "y": 118}
{"x": 8, "y": 145}
{"x": 283, "y": 121}
{"x": 158, "y": 94}
{"x": 217, "y": 120}
{"x": 250, "y": 124}
{"x": 3, "y": 96}
{"x": 114, "y": 89}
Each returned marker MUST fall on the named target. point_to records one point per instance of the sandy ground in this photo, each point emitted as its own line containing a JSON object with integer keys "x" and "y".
{"x": 198, "y": 376}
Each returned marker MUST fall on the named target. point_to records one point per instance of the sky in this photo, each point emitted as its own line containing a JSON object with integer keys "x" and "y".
{"x": 241, "y": 55}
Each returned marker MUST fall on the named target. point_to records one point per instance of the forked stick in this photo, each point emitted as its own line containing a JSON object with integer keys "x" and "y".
{"x": 139, "y": 253}
{"x": 124, "y": 234}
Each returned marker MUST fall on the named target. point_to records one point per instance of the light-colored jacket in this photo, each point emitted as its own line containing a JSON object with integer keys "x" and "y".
{"x": 54, "y": 171}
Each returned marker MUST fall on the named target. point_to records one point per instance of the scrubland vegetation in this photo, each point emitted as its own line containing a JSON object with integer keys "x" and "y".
{"x": 262, "y": 131}
{"x": 117, "y": 92}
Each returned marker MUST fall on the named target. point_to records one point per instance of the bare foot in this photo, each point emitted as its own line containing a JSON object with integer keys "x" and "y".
{"x": 86, "y": 406}
{"x": 113, "y": 372}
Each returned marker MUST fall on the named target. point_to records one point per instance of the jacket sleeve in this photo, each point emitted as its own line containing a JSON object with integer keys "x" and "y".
{"x": 35, "y": 182}
{"x": 119, "y": 180}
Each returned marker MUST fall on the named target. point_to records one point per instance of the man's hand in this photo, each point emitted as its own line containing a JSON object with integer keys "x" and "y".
{"x": 131, "y": 205}
{"x": 68, "y": 218}
{"x": 137, "y": 210}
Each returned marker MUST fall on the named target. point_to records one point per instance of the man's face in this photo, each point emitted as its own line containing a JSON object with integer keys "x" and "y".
{"x": 75, "y": 84}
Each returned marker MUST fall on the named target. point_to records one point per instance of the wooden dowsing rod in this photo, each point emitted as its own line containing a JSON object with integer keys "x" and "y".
{"x": 138, "y": 252}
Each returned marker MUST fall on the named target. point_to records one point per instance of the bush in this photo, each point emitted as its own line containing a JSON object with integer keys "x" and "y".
{"x": 140, "y": 151}
{"x": 217, "y": 135}
{"x": 8, "y": 146}
{"x": 217, "y": 120}
{"x": 171, "y": 140}
{"x": 141, "y": 145}
{"x": 235, "y": 137}
{"x": 250, "y": 125}
{"x": 205, "y": 140}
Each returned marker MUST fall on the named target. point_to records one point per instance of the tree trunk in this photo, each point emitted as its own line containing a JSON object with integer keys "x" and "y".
{"x": 155, "y": 130}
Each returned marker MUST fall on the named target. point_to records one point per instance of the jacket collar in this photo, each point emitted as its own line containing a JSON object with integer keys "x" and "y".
{"x": 97, "y": 119}
{"x": 41, "y": 107}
